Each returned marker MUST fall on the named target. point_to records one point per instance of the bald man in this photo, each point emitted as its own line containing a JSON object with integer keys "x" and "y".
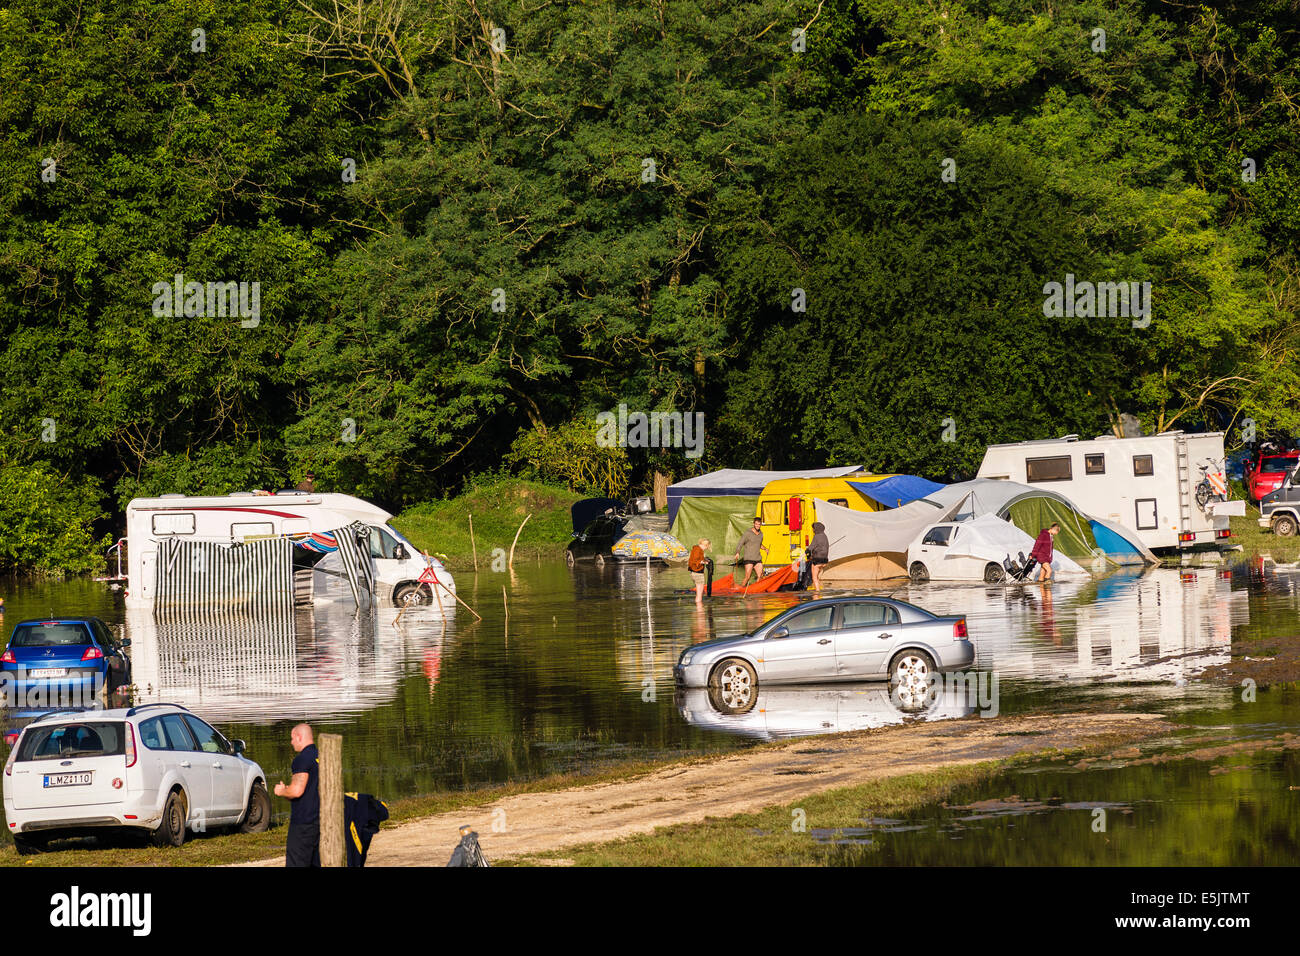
{"x": 303, "y": 847}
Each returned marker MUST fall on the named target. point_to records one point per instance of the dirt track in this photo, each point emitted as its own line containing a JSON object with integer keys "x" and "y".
{"x": 741, "y": 783}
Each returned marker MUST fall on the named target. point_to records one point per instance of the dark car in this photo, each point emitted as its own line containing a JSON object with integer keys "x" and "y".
{"x": 593, "y": 543}
{"x": 65, "y": 662}
{"x": 1265, "y": 473}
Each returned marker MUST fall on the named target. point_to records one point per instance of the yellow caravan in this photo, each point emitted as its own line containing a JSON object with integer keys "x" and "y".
{"x": 789, "y": 498}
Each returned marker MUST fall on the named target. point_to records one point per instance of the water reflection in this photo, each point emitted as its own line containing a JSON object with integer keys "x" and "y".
{"x": 583, "y": 675}
{"x": 775, "y": 712}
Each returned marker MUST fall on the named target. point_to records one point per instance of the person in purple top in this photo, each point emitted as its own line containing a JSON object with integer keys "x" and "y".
{"x": 1042, "y": 552}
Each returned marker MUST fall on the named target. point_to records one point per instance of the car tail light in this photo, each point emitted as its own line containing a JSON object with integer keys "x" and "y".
{"x": 130, "y": 745}
{"x": 92, "y": 654}
{"x": 9, "y": 764}
{"x": 8, "y": 657}
{"x": 959, "y": 629}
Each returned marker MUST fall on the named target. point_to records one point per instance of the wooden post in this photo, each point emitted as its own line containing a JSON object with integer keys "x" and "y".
{"x": 505, "y": 603}
{"x": 511, "y": 563}
{"x": 472, "y": 544}
{"x": 660, "y": 491}
{"x": 331, "y": 800}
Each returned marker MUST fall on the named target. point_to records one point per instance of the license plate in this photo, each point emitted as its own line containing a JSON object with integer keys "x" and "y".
{"x": 69, "y": 779}
{"x": 48, "y": 672}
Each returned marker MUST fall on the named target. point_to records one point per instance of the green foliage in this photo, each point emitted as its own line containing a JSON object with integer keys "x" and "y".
{"x": 46, "y": 521}
{"x": 572, "y": 453}
{"x": 616, "y": 207}
{"x": 214, "y": 470}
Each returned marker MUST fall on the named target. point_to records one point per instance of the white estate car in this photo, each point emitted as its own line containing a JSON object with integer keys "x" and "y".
{"x": 155, "y": 767}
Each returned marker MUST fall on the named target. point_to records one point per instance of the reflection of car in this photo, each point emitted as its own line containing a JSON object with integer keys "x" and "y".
{"x": 155, "y": 767}
{"x": 72, "y": 661}
{"x": 775, "y": 711}
{"x": 832, "y": 639}
{"x": 594, "y": 542}
{"x": 1266, "y": 472}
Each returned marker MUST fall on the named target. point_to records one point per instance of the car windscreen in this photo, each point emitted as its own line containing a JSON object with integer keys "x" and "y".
{"x": 1277, "y": 464}
{"x": 50, "y": 634}
{"x": 73, "y": 739}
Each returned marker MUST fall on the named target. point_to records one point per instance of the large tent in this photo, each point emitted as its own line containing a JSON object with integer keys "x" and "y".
{"x": 1029, "y": 509}
{"x": 870, "y": 546}
{"x": 722, "y": 519}
{"x": 738, "y": 482}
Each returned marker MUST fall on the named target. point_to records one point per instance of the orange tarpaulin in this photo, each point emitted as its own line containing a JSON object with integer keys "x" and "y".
{"x": 766, "y": 584}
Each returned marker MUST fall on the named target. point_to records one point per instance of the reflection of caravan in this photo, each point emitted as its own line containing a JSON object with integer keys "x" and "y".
{"x": 239, "y": 518}
{"x": 1147, "y": 484}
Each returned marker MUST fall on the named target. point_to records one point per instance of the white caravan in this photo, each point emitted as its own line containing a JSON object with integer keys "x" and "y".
{"x": 240, "y": 517}
{"x": 1148, "y": 484}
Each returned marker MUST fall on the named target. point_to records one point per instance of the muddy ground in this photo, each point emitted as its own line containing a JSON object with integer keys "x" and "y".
{"x": 743, "y": 783}
{"x": 1269, "y": 662}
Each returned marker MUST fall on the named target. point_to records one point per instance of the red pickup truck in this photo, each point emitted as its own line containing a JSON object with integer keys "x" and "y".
{"x": 1265, "y": 473}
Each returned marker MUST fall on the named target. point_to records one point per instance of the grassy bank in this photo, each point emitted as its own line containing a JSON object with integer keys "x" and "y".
{"x": 1255, "y": 540}
{"x": 498, "y": 508}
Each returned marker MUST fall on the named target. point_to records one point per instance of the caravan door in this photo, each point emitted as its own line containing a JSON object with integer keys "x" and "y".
{"x": 148, "y": 573}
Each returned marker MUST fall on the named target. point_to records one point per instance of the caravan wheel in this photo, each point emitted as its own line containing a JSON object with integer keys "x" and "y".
{"x": 993, "y": 574}
{"x": 918, "y": 572}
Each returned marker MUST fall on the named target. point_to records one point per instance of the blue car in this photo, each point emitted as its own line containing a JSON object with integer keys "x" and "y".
{"x": 69, "y": 662}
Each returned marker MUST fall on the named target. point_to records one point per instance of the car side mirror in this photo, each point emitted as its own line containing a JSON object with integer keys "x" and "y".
{"x": 780, "y": 632}
{"x": 238, "y": 747}
{"x": 126, "y": 642}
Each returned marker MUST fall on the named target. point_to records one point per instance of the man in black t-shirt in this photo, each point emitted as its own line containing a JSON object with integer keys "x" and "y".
{"x": 303, "y": 847}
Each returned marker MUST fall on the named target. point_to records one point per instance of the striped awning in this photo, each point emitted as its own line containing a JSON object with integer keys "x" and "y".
{"x": 196, "y": 577}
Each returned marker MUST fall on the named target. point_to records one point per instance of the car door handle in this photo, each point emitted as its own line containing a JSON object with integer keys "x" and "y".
{"x": 216, "y": 766}
{"x": 824, "y": 640}
{"x": 185, "y": 764}
{"x": 886, "y": 636}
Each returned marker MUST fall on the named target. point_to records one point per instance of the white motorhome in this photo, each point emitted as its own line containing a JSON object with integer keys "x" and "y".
{"x": 1146, "y": 484}
{"x": 241, "y": 517}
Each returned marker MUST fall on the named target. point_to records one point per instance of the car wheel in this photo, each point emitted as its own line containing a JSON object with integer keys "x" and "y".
{"x": 569, "y": 559}
{"x": 599, "y": 559}
{"x": 29, "y": 846}
{"x": 1284, "y": 526}
{"x": 412, "y": 595}
{"x": 993, "y": 574}
{"x": 918, "y": 572}
{"x": 911, "y": 675}
{"x": 734, "y": 686}
{"x": 171, "y": 832}
{"x": 258, "y": 817}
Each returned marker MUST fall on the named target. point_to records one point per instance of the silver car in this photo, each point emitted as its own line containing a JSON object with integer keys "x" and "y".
{"x": 831, "y": 639}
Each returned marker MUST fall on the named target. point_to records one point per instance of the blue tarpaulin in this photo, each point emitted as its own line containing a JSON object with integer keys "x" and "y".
{"x": 897, "y": 491}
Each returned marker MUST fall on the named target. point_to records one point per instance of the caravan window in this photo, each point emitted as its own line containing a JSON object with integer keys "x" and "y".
{"x": 773, "y": 512}
{"x": 1094, "y": 464}
{"x": 241, "y": 531}
{"x": 1048, "y": 469}
{"x": 1143, "y": 465}
{"x": 842, "y": 502}
{"x": 181, "y": 522}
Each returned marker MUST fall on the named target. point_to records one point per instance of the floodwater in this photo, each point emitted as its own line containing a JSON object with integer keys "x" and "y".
{"x": 572, "y": 670}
